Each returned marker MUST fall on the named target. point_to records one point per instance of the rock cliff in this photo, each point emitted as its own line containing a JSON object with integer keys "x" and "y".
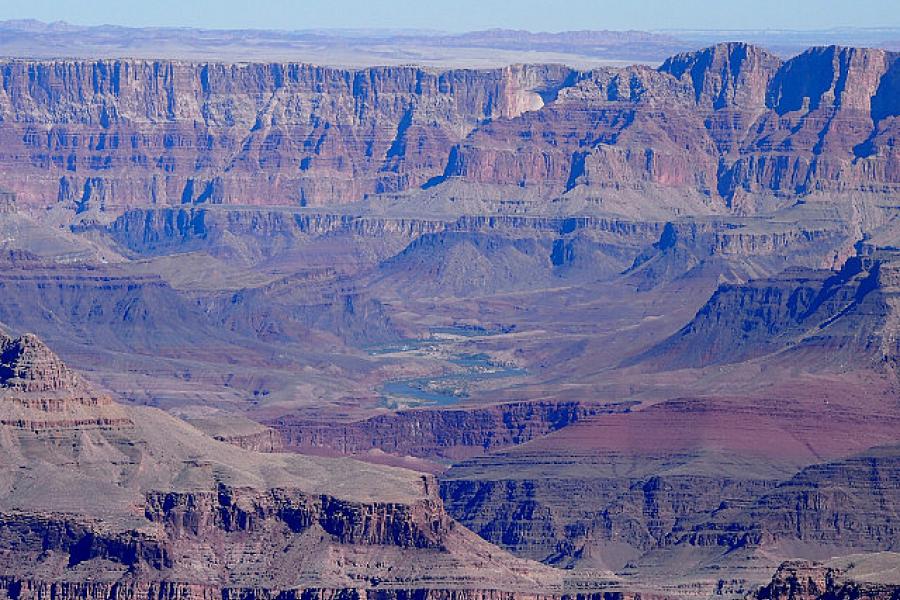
{"x": 731, "y": 124}
{"x": 118, "y": 133}
{"x": 688, "y": 478}
{"x": 726, "y": 126}
{"x": 851, "y": 312}
{"x": 448, "y": 433}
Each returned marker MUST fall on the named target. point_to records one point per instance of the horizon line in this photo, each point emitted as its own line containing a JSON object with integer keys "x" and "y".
{"x": 435, "y": 31}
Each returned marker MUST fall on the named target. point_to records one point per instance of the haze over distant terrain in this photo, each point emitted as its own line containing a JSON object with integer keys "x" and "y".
{"x": 368, "y": 47}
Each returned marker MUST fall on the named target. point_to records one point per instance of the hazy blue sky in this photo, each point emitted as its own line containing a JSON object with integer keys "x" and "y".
{"x": 462, "y": 15}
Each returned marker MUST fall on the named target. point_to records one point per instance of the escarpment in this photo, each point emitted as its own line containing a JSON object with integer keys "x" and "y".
{"x": 643, "y": 322}
{"x": 237, "y": 510}
{"x": 731, "y": 124}
{"x": 440, "y": 433}
{"x": 120, "y": 133}
{"x": 728, "y": 126}
{"x": 850, "y": 311}
{"x": 149, "y": 231}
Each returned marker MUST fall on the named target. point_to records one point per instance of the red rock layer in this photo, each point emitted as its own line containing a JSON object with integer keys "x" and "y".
{"x": 727, "y": 123}
{"x": 137, "y": 132}
{"x": 730, "y": 122}
{"x": 450, "y": 433}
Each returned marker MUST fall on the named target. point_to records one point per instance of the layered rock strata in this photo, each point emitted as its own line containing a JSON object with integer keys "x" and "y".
{"x": 440, "y": 433}
{"x": 849, "y": 313}
{"x": 99, "y": 507}
{"x": 729, "y": 126}
{"x": 807, "y": 580}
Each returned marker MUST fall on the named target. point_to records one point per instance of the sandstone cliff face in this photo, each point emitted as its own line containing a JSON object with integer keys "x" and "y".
{"x": 450, "y": 433}
{"x": 476, "y": 263}
{"x": 233, "y": 510}
{"x": 29, "y": 366}
{"x": 728, "y": 75}
{"x": 149, "y": 231}
{"x": 725, "y": 125}
{"x": 568, "y": 519}
{"x": 827, "y": 128}
{"x": 850, "y": 503}
{"x": 729, "y": 122}
{"x": 128, "y": 132}
{"x": 265, "y": 440}
{"x": 466, "y": 255}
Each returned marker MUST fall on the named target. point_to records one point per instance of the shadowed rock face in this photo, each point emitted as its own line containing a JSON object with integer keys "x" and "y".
{"x": 850, "y": 503}
{"x": 847, "y": 315}
{"x": 729, "y": 122}
{"x": 132, "y": 132}
{"x": 27, "y": 365}
{"x": 806, "y": 580}
{"x": 728, "y": 75}
{"x": 609, "y": 489}
{"x": 723, "y": 123}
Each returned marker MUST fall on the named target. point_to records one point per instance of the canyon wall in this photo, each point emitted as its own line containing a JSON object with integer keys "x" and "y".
{"x": 727, "y": 126}
{"x": 450, "y": 433}
{"x": 119, "y": 133}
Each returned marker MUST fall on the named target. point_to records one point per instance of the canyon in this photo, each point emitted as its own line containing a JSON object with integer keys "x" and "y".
{"x": 536, "y": 331}
{"x": 98, "y": 496}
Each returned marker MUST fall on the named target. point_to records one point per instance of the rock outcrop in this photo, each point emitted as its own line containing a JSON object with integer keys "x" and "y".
{"x": 444, "y": 433}
{"x": 807, "y": 580}
{"x": 240, "y": 432}
{"x": 242, "y": 233}
{"x": 7, "y": 203}
{"x": 38, "y": 391}
{"x": 849, "y": 503}
{"x": 734, "y": 75}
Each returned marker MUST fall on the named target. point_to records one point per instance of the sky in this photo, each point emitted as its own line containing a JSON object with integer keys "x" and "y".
{"x": 465, "y": 15}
